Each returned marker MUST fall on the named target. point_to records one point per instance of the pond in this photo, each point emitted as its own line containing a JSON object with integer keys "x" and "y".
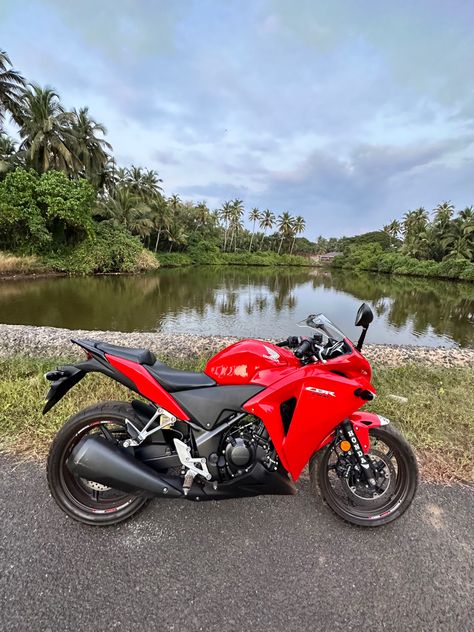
{"x": 244, "y": 301}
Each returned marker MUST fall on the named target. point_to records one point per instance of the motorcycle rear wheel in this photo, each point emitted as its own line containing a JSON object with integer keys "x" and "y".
{"x": 353, "y": 502}
{"x": 86, "y": 501}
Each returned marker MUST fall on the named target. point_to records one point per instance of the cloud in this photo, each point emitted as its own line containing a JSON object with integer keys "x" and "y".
{"x": 346, "y": 112}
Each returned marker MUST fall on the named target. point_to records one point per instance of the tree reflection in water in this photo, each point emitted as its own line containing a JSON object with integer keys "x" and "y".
{"x": 247, "y": 302}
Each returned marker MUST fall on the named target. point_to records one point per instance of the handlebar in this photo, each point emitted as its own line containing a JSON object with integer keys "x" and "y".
{"x": 304, "y": 347}
{"x": 307, "y": 347}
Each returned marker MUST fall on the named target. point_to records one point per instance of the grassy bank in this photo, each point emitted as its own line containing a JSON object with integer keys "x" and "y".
{"x": 14, "y": 265}
{"x": 200, "y": 257}
{"x": 102, "y": 255}
{"x": 372, "y": 258}
{"x": 437, "y": 419}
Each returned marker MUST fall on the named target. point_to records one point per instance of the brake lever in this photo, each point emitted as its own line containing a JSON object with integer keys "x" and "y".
{"x": 320, "y": 356}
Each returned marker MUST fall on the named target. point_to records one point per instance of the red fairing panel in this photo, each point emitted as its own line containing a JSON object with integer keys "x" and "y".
{"x": 147, "y": 385}
{"x": 251, "y": 362}
{"x": 324, "y": 399}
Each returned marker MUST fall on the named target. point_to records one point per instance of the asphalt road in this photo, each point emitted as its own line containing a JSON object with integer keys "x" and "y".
{"x": 265, "y": 564}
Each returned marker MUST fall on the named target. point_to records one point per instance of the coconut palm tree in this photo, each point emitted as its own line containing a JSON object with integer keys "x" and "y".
{"x": 254, "y": 216}
{"x": 45, "y": 130}
{"x": 267, "y": 222}
{"x": 143, "y": 182}
{"x": 161, "y": 216}
{"x": 174, "y": 202}
{"x": 11, "y": 88}
{"x": 89, "y": 148}
{"x": 299, "y": 225}
{"x": 459, "y": 240}
{"x": 285, "y": 227}
{"x": 414, "y": 228}
{"x": 225, "y": 213}
{"x": 125, "y": 208}
{"x": 201, "y": 214}
{"x": 443, "y": 214}
{"x": 177, "y": 235}
{"x": 7, "y": 154}
{"x": 237, "y": 212}
{"x": 393, "y": 230}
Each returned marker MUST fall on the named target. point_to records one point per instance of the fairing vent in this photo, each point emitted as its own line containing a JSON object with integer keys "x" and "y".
{"x": 287, "y": 408}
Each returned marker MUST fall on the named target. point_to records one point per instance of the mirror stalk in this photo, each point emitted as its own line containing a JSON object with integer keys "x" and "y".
{"x": 360, "y": 342}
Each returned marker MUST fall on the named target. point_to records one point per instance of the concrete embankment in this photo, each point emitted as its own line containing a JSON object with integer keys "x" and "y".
{"x": 51, "y": 342}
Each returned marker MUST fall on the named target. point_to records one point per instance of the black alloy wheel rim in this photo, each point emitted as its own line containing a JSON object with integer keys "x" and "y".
{"x": 350, "y": 503}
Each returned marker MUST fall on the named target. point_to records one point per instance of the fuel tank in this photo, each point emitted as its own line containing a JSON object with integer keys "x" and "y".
{"x": 251, "y": 362}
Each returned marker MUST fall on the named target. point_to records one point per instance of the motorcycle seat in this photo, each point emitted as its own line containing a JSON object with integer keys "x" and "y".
{"x": 174, "y": 380}
{"x": 142, "y": 356}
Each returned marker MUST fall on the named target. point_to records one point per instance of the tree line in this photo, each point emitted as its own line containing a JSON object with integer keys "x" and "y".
{"x": 59, "y": 181}
{"x": 51, "y": 138}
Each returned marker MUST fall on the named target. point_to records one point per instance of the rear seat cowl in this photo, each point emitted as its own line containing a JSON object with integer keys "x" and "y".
{"x": 142, "y": 356}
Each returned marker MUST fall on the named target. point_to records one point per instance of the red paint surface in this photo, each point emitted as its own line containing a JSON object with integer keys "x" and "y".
{"x": 251, "y": 362}
{"x": 147, "y": 385}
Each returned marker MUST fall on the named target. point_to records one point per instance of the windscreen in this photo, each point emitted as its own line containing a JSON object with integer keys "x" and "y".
{"x": 323, "y": 324}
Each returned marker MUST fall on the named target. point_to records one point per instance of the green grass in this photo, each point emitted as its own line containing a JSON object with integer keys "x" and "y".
{"x": 438, "y": 418}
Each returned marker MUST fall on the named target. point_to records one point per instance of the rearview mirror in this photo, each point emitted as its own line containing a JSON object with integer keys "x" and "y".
{"x": 364, "y": 316}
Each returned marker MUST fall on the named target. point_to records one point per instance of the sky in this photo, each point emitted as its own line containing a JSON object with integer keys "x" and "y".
{"x": 348, "y": 113}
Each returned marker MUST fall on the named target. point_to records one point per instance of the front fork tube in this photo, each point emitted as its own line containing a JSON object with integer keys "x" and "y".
{"x": 363, "y": 461}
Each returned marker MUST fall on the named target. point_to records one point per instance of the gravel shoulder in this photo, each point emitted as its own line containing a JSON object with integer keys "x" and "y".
{"x": 53, "y": 342}
{"x": 267, "y": 563}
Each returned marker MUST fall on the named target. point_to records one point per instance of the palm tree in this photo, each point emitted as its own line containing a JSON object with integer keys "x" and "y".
{"x": 125, "y": 208}
{"x": 7, "y": 153}
{"x": 145, "y": 183}
{"x": 414, "y": 230}
{"x": 237, "y": 212}
{"x": 254, "y": 216}
{"x": 201, "y": 214}
{"x": 174, "y": 202}
{"x": 285, "y": 227}
{"x": 267, "y": 222}
{"x": 225, "y": 213}
{"x": 161, "y": 215}
{"x": 90, "y": 149}
{"x": 11, "y": 88}
{"x": 45, "y": 129}
{"x": 459, "y": 240}
{"x": 393, "y": 230}
{"x": 299, "y": 225}
{"x": 176, "y": 235}
{"x": 443, "y": 214}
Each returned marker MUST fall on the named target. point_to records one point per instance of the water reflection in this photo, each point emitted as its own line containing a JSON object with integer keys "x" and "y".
{"x": 246, "y": 302}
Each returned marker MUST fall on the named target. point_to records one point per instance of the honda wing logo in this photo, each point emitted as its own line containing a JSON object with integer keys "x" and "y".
{"x": 272, "y": 354}
{"x": 320, "y": 391}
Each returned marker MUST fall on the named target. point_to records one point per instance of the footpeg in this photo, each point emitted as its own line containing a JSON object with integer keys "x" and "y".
{"x": 188, "y": 481}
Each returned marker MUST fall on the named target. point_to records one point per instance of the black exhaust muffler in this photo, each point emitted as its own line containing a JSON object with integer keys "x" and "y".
{"x": 99, "y": 460}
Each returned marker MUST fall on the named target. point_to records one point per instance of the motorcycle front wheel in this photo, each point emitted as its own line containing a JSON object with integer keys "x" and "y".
{"x": 338, "y": 482}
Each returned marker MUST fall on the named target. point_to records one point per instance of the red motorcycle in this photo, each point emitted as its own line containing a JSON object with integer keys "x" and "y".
{"x": 246, "y": 426}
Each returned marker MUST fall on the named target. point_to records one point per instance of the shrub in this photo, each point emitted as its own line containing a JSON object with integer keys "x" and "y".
{"x": 110, "y": 249}
{"x": 206, "y": 253}
{"x": 453, "y": 268}
{"x": 37, "y": 211}
{"x": 369, "y": 257}
{"x": 173, "y": 259}
{"x": 264, "y": 259}
{"x": 468, "y": 273}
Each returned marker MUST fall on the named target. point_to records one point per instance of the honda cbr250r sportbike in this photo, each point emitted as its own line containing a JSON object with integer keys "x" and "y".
{"x": 246, "y": 426}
